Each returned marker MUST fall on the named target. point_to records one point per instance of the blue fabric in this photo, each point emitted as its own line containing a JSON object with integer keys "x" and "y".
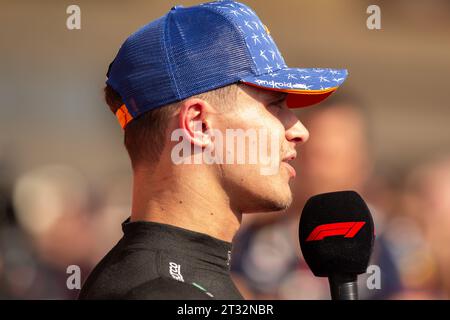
{"x": 196, "y": 49}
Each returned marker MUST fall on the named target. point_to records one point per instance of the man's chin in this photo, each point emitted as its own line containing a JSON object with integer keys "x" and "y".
{"x": 282, "y": 205}
{"x": 271, "y": 204}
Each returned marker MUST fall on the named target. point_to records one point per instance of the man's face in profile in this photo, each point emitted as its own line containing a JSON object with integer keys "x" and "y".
{"x": 261, "y": 185}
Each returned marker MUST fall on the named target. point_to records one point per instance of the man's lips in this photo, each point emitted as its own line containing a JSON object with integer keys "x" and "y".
{"x": 290, "y": 168}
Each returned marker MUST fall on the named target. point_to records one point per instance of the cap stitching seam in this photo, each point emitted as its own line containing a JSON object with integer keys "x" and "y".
{"x": 169, "y": 56}
{"x": 227, "y": 17}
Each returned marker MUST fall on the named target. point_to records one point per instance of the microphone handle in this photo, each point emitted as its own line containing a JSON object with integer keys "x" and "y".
{"x": 343, "y": 287}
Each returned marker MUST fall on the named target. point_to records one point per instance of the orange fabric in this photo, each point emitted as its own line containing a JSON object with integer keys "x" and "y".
{"x": 123, "y": 116}
{"x": 298, "y": 98}
{"x": 304, "y": 100}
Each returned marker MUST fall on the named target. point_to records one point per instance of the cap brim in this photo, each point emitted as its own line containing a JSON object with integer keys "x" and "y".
{"x": 305, "y": 87}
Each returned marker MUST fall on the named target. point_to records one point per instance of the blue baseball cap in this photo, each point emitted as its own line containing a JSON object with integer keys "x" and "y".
{"x": 196, "y": 49}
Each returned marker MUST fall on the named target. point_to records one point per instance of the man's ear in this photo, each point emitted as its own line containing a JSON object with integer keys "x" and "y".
{"x": 193, "y": 121}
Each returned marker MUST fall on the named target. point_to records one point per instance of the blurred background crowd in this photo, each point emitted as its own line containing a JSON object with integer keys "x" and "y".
{"x": 65, "y": 180}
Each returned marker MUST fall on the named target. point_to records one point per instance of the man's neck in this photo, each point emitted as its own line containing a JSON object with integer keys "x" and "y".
{"x": 186, "y": 203}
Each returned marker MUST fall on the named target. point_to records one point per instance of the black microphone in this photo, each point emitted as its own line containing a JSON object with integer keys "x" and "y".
{"x": 336, "y": 235}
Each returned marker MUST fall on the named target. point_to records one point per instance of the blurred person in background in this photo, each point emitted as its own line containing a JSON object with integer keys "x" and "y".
{"x": 266, "y": 260}
{"x": 425, "y": 231}
{"x": 52, "y": 209}
{"x": 50, "y": 218}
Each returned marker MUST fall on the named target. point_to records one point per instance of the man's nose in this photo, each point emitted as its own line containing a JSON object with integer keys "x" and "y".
{"x": 297, "y": 133}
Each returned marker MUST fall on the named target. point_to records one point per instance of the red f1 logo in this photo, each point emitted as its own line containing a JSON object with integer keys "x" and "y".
{"x": 346, "y": 229}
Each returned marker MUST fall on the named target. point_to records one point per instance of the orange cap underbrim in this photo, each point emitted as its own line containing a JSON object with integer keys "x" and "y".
{"x": 300, "y": 98}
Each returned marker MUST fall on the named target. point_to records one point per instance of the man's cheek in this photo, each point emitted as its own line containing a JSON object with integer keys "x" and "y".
{"x": 269, "y": 153}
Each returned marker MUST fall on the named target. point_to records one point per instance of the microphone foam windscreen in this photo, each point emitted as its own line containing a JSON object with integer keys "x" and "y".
{"x": 336, "y": 233}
